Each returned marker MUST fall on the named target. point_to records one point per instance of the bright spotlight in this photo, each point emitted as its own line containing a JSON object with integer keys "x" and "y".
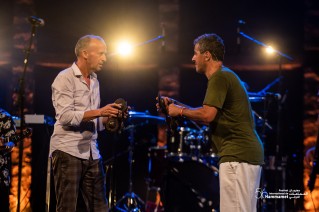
{"x": 124, "y": 48}
{"x": 270, "y": 50}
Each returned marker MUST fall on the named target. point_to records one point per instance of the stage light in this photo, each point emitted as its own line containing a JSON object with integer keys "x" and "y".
{"x": 124, "y": 48}
{"x": 270, "y": 50}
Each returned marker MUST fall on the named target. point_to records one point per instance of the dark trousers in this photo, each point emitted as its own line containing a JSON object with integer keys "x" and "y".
{"x": 74, "y": 176}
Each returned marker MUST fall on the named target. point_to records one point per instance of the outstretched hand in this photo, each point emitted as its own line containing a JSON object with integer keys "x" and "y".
{"x": 110, "y": 110}
{"x": 163, "y": 103}
{"x": 167, "y": 106}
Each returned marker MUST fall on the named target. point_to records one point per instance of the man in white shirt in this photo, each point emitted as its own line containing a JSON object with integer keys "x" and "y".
{"x": 76, "y": 161}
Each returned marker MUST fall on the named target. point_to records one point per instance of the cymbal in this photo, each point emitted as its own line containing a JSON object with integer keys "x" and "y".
{"x": 259, "y": 97}
{"x": 256, "y": 98}
{"x": 144, "y": 118}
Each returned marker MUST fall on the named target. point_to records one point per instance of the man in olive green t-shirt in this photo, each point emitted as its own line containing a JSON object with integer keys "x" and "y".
{"x": 227, "y": 110}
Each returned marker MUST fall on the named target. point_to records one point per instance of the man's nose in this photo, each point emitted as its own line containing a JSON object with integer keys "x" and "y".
{"x": 104, "y": 58}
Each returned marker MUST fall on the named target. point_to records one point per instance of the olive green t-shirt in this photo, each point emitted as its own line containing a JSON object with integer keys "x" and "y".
{"x": 233, "y": 129}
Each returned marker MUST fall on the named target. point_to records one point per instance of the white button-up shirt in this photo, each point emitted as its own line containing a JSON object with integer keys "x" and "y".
{"x": 71, "y": 97}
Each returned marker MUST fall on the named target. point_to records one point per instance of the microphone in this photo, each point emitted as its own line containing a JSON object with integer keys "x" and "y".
{"x": 36, "y": 21}
{"x": 276, "y": 96}
{"x": 115, "y": 124}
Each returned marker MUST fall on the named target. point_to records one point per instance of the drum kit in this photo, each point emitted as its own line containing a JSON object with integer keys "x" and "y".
{"x": 184, "y": 172}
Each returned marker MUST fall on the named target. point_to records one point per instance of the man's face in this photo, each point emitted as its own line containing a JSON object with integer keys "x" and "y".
{"x": 96, "y": 55}
{"x": 199, "y": 60}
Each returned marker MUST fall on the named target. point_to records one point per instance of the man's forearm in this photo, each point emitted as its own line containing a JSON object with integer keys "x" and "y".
{"x": 91, "y": 114}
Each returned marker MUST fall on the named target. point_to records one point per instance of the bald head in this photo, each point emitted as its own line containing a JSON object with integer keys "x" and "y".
{"x": 84, "y": 42}
{"x": 90, "y": 51}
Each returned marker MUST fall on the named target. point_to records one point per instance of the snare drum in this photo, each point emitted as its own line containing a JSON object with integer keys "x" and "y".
{"x": 184, "y": 142}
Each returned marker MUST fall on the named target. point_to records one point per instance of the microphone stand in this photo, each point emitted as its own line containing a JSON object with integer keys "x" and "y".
{"x": 264, "y": 45}
{"x": 264, "y": 90}
{"x": 279, "y": 136}
{"x": 22, "y": 101}
{"x": 279, "y": 111}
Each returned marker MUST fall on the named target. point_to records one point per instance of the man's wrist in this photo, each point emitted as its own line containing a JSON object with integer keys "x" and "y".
{"x": 181, "y": 111}
{"x": 100, "y": 112}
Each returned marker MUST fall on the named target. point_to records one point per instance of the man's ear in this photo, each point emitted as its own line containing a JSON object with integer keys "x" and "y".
{"x": 84, "y": 54}
{"x": 207, "y": 56}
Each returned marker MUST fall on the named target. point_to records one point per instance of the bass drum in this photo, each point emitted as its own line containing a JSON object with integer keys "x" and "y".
{"x": 157, "y": 165}
{"x": 191, "y": 185}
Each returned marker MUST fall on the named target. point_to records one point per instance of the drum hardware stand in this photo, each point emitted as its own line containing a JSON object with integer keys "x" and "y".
{"x": 112, "y": 191}
{"x": 279, "y": 137}
{"x": 263, "y": 202}
{"x": 110, "y": 167}
{"x": 280, "y": 100}
{"x": 264, "y": 121}
{"x": 279, "y": 132}
{"x": 130, "y": 202}
{"x": 267, "y": 99}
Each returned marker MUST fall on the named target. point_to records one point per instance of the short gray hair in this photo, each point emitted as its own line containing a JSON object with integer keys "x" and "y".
{"x": 84, "y": 41}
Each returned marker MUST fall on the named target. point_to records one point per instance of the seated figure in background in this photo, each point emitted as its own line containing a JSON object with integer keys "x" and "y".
{"x": 7, "y": 129}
